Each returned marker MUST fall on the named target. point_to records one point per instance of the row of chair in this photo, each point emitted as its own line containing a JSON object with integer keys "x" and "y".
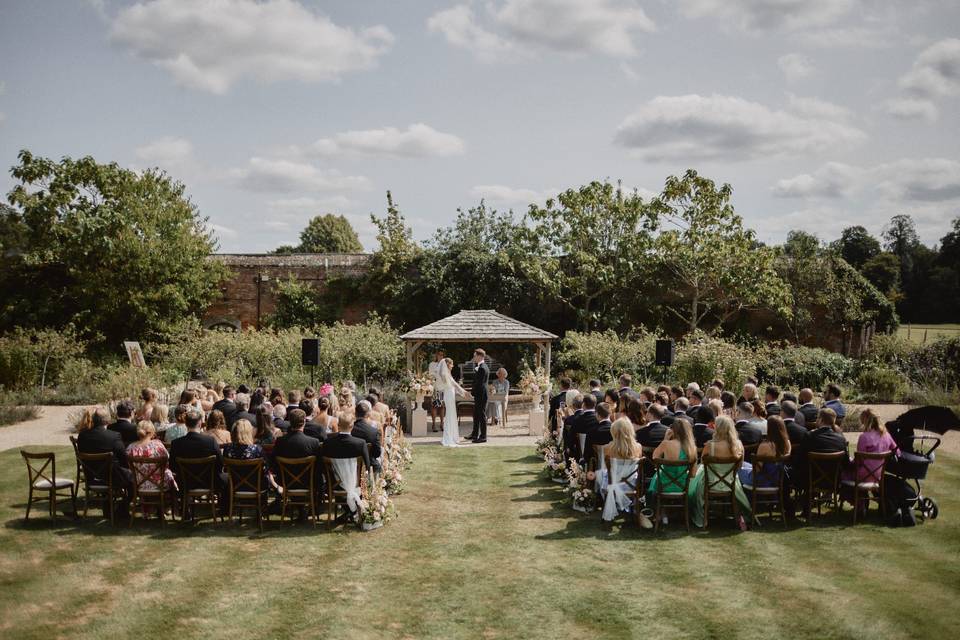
{"x": 197, "y": 478}
{"x": 822, "y": 487}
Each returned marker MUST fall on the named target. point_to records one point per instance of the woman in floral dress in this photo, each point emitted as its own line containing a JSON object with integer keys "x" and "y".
{"x": 147, "y": 446}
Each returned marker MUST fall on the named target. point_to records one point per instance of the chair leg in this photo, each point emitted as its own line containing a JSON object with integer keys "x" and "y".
{"x": 73, "y": 500}
{"x": 52, "y": 499}
{"x": 657, "y": 523}
{"x": 706, "y": 510}
{"x": 110, "y": 506}
{"x": 29, "y": 504}
{"x": 856, "y": 503}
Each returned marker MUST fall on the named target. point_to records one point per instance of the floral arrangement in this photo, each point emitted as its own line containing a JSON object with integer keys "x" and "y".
{"x": 555, "y": 465}
{"x": 400, "y": 451}
{"x": 392, "y": 474}
{"x": 580, "y": 487}
{"x": 419, "y": 384}
{"x": 376, "y": 508}
{"x": 534, "y": 382}
{"x": 326, "y": 390}
{"x": 546, "y": 443}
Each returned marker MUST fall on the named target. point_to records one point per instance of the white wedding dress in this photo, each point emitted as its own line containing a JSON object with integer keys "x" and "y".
{"x": 449, "y": 387}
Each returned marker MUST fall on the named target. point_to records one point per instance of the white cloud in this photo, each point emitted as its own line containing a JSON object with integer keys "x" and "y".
{"x": 694, "y": 127}
{"x": 832, "y": 180}
{"x": 608, "y": 27}
{"x": 936, "y": 71}
{"x": 817, "y": 108}
{"x": 876, "y": 36}
{"x": 166, "y": 152}
{"x": 911, "y": 109}
{"x": 210, "y": 44}
{"x": 290, "y": 215}
{"x": 795, "y": 66}
{"x": 503, "y": 194}
{"x": 416, "y": 141}
{"x": 459, "y": 26}
{"x": 761, "y": 15}
{"x": 271, "y": 174}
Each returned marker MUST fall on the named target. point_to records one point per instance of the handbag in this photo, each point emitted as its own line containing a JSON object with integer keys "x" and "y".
{"x": 437, "y": 400}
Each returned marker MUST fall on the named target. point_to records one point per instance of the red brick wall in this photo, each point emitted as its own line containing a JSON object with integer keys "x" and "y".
{"x": 254, "y": 274}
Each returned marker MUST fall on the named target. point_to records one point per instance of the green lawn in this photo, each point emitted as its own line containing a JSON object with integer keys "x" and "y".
{"x": 484, "y": 547}
{"x": 925, "y": 333}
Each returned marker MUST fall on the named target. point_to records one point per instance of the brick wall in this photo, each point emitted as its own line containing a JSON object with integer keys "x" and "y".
{"x": 249, "y": 293}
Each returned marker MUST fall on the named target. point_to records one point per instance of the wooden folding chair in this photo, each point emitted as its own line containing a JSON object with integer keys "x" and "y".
{"x": 145, "y": 470}
{"x": 48, "y": 485}
{"x": 99, "y": 482}
{"x": 673, "y": 473}
{"x": 298, "y": 484}
{"x": 246, "y": 487}
{"x": 767, "y": 496}
{"x": 197, "y": 478}
{"x": 873, "y": 465}
{"x": 637, "y": 492}
{"x": 338, "y": 496}
{"x": 720, "y": 485}
{"x": 823, "y": 479}
{"x": 76, "y": 450}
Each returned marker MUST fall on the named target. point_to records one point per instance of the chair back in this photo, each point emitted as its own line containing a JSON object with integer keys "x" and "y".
{"x": 608, "y": 462}
{"x": 749, "y": 450}
{"x": 97, "y": 468}
{"x": 197, "y": 473}
{"x": 333, "y": 479}
{"x": 296, "y": 473}
{"x": 720, "y": 473}
{"x": 147, "y": 469}
{"x": 245, "y": 475}
{"x": 761, "y": 469}
{"x": 37, "y": 464}
{"x": 870, "y": 466}
{"x": 824, "y": 470}
{"x": 76, "y": 450}
{"x": 672, "y": 474}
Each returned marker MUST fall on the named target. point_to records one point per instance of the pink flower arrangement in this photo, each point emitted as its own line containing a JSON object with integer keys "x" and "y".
{"x": 326, "y": 389}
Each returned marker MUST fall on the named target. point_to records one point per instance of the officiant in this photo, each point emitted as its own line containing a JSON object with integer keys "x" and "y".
{"x": 499, "y": 387}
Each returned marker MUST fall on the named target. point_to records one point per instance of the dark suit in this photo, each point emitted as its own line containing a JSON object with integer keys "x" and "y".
{"x": 692, "y": 410}
{"x": 100, "y": 440}
{"x": 702, "y": 434}
{"x": 810, "y": 412}
{"x": 596, "y": 393}
{"x": 241, "y": 415}
{"x": 297, "y": 444}
{"x": 569, "y": 439}
{"x": 599, "y": 436}
{"x": 283, "y": 425}
{"x": 316, "y": 430}
{"x": 554, "y": 407}
{"x": 195, "y": 444}
{"x": 126, "y": 429}
{"x": 480, "y": 378}
{"x": 629, "y": 393}
{"x": 226, "y": 407}
{"x": 652, "y": 434}
{"x": 748, "y": 433}
{"x": 344, "y": 445}
{"x": 797, "y": 433}
{"x": 773, "y": 408}
{"x": 820, "y": 440}
{"x": 585, "y": 424}
{"x": 371, "y": 435}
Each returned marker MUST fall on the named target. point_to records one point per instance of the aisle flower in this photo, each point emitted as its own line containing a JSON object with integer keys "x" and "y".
{"x": 376, "y": 508}
{"x": 580, "y": 487}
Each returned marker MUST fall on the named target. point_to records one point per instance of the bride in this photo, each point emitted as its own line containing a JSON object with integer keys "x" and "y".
{"x": 450, "y": 388}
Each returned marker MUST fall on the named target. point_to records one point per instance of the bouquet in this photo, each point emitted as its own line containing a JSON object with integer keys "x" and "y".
{"x": 580, "y": 488}
{"x": 376, "y": 508}
{"x": 555, "y": 465}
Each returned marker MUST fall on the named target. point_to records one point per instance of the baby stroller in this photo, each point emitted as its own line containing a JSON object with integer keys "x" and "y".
{"x": 917, "y": 452}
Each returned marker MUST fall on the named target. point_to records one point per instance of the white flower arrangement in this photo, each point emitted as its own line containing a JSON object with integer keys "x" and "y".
{"x": 534, "y": 382}
{"x": 392, "y": 475}
{"x": 376, "y": 508}
{"x": 555, "y": 465}
{"x": 580, "y": 487}
{"x": 419, "y": 384}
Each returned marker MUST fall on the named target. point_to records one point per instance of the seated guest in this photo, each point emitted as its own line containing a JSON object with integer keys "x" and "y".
{"x": 313, "y": 427}
{"x": 724, "y": 444}
{"x": 265, "y": 431}
{"x": 309, "y": 393}
{"x": 600, "y": 435}
{"x": 703, "y": 420}
{"x": 749, "y": 393}
{"x": 148, "y": 398}
{"x": 718, "y": 383}
{"x": 342, "y": 444}
{"x": 637, "y": 414}
{"x": 242, "y": 402}
{"x": 197, "y": 444}
{"x": 771, "y": 398}
{"x": 584, "y": 425}
{"x": 500, "y": 387}
{"x": 716, "y": 406}
{"x": 244, "y": 447}
{"x": 595, "y": 390}
{"x": 711, "y": 393}
{"x": 346, "y": 399}
{"x": 653, "y": 433}
{"x": 159, "y": 419}
{"x": 124, "y": 425}
{"x": 179, "y": 427}
{"x": 676, "y": 393}
{"x": 146, "y": 446}
{"x": 94, "y": 437}
{"x": 795, "y": 432}
{"x": 681, "y": 406}
{"x": 565, "y": 385}
{"x": 873, "y": 439}
{"x": 776, "y": 445}
{"x": 324, "y": 414}
{"x": 574, "y": 408}
{"x": 729, "y": 403}
{"x": 276, "y": 398}
{"x": 648, "y": 396}
{"x": 695, "y": 398}
{"x": 623, "y": 452}
{"x": 367, "y": 432}
{"x": 257, "y": 400}
{"x": 293, "y": 400}
{"x": 625, "y": 381}
{"x": 832, "y": 401}
{"x": 279, "y": 418}
{"x": 613, "y": 400}
{"x": 690, "y": 387}
{"x": 296, "y": 444}
{"x": 678, "y": 444}
{"x": 824, "y": 437}
{"x": 806, "y": 411}
{"x": 747, "y": 431}
{"x": 759, "y": 419}
{"x": 379, "y": 406}
{"x": 226, "y": 406}
{"x": 217, "y": 427}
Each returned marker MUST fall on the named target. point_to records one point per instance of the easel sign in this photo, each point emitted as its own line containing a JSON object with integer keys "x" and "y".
{"x": 135, "y": 353}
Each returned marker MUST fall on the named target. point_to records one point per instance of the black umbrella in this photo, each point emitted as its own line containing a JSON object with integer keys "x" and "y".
{"x": 929, "y": 418}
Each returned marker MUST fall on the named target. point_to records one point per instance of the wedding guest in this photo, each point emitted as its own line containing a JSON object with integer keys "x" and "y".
{"x": 718, "y": 383}
{"x": 771, "y": 397}
{"x": 160, "y": 420}
{"x": 599, "y": 436}
{"x": 365, "y": 431}
{"x": 716, "y": 406}
{"x": 293, "y": 400}
{"x": 242, "y": 402}
{"x": 344, "y": 445}
{"x": 279, "y": 418}
{"x": 613, "y": 399}
{"x": 244, "y": 447}
{"x": 724, "y": 444}
{"x": 831, "y": 396}
{"x": 565, "y": 385}
{"x": 654, "y": 431}
{"x": 695, "y": 396}
{"x": 313, "y": 427}
{"x": 217, "y": 427}
{"x": 179, "y": 427}
{"x": 759, "y": 419}
{"x": 678, "y": 444}
{"x": 807, "y": 409}
{"x": 647, "y": 396}
{"x": 574, "y": 406}
{"x": 703, "y": 421}
{"x": 749, "y": 393}
{"x": 776, "y": 445}
{"x": 276, "y": 398}
{"x": 795, "y": 431}
{"x": 584, "y": 425}
{"x": 148, "y": 398}
{"x": 501, "y": 387}
{"x": 295, "y": 443}
{"x": 623, "y": 453}
{"x": 197, "y": 444}
{"x": 147, "y": 446}
{"x": 873, "y": 439}
{"x": 824, "y": 437}
{"x": 625, "y": 389}
{"x": 729, "y": 402}
{"x": 636, "y": 414}
{"x": 595, "y": 390}
{"x": 711, "y": 393}
{"x": 227, "y": 406}
{"x": 380, "y": 406}
{"x": 676, "y": 393}
{"x": 266, "y": 431}
{"x": 94, "y": 437}
{"x": 747, "y": 430}
{"x": 124, "y": 425}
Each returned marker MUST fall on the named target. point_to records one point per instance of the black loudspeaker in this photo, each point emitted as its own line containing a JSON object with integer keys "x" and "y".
{"x": 665, "y": 350}
{"x": 310, "y": 352}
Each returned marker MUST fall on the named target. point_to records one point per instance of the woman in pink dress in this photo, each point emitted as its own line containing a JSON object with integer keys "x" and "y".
{"x": 149, "y": 447}
{"x": 874, "y": 439}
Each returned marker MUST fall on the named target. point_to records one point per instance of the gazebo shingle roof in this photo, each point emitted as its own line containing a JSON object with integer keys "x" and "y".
{"x": 480, "y": 325}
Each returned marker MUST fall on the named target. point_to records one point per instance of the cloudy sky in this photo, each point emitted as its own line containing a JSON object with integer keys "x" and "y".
{"x": 820, "y": 113}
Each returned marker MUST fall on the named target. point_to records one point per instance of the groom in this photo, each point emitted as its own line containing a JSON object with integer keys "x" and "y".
{"x": 480, "y": 378}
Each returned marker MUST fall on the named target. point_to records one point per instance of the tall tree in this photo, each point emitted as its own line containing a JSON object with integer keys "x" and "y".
{"x": 717, "y": 267}
{"x": 799, "y": 267}
{"x": 327, "y": 233}
{"x": 883, "y": 272}
{"x": 856, "y": 246}
{"x": 586, "y": 248}
{"x": 121, "y": 255}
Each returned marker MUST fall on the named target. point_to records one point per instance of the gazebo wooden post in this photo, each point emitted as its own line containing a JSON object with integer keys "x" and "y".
{"x": 546, "y": 368}
{"x": 411, "y": 347}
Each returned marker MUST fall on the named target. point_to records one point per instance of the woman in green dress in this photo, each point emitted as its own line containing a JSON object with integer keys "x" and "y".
{"x": 678, "y": 444}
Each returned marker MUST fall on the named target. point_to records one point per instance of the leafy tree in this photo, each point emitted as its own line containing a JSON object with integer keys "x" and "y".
{"x": 585, "y": 248}
{"x": 883, "y": 271}
{"x": 717, "y": 268}
{"x": 799, "y": 268}
{"x": 856, "y": 246}
{"x": 118, "y": 254}
{"x": 326, "y": 233}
